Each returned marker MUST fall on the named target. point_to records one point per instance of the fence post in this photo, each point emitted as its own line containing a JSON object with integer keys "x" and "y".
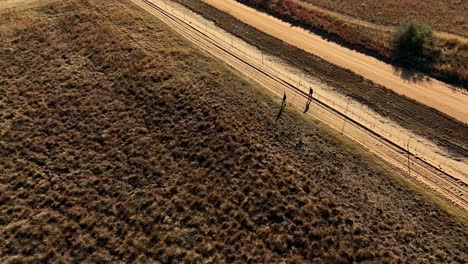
{"x": 345, "y": 115}
{"x": 408, "y": 151}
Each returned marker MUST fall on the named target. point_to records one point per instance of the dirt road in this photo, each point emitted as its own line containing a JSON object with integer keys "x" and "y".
{"x": 264, "y": 70}
{"x": 429, "y": 91}
{"x": 5, "y": 4}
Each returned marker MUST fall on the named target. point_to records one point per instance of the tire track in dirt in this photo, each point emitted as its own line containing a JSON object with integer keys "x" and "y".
{"x": 433, "y": 178}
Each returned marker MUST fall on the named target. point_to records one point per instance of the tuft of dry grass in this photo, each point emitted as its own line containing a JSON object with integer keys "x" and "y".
{"x": 122, "y": 143}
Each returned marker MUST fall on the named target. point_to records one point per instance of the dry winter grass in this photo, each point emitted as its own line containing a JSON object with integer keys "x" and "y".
{"x": 443, "y": 15}
{"x": 120, "y": 142}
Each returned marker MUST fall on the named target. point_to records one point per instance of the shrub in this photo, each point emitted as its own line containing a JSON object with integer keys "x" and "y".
{"x": 412, "y": 37}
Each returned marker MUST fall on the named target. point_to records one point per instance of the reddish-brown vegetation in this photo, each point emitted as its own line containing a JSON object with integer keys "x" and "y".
{"x": 119, "y": 143}
{"x": 443, "y": 15}
{"x": 297, "y": 12}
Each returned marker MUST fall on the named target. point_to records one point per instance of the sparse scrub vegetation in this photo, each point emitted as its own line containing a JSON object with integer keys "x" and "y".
{"x": 445, "y": 58}
{"x": 121, "y": 143}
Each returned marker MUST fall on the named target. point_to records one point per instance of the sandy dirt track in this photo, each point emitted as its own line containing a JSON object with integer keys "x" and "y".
{"x": 193, "y": 28}
{"x": 15, "y": 3}
{"x": 431, "y": 92}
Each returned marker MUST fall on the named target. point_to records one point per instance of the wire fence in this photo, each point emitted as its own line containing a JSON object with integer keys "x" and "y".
{"x": 355, "y": 111}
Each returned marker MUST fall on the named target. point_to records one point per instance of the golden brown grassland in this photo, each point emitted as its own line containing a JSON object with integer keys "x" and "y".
{"x": 443, "y": 15}
{"x": 119, "y": 142}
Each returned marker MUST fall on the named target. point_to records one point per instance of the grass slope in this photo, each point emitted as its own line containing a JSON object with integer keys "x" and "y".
{"x": 121, "y": 143}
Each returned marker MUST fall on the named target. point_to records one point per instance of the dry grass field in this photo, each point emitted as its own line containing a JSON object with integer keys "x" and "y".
{"x": 444, "y": 15}
{"x": 445, "y": 58}
{"x": 119, "y": 142}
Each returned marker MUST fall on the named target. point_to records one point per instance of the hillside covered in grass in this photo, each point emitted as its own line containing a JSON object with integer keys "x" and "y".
{"x": 120, "y": 142}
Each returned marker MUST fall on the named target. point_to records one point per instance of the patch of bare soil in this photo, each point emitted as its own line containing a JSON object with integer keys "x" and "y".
{"x": 7, "y": 4}
{"x": 120, "y": 142}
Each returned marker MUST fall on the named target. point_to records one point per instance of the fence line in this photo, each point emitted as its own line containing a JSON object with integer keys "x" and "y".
{"x": 356, "y": 111}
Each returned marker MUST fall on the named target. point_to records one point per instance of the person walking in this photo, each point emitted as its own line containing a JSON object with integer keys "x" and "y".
{"x": 283, "y": 105}
{"x": 309, "y": 100}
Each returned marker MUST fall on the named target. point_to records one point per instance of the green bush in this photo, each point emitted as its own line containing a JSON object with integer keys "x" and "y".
{"x": 412, "y": 38}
